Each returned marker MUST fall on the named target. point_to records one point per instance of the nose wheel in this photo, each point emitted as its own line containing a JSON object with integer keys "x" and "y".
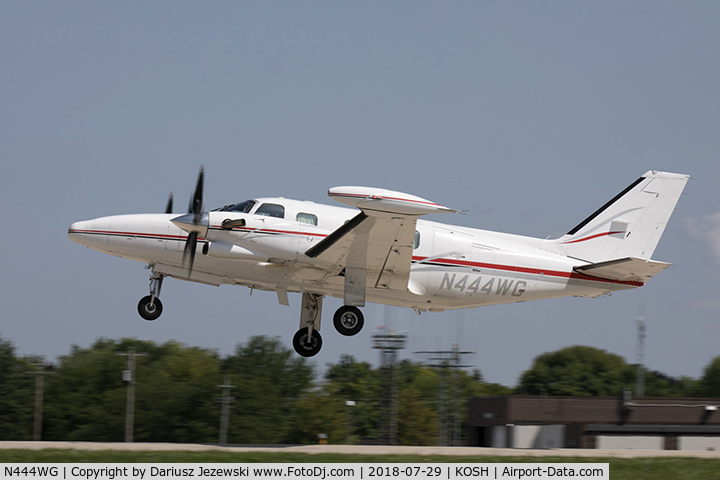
{"x": 150, "y": 307}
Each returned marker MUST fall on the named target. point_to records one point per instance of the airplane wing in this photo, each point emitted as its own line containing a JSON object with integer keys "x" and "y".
{"x": 374, "y": 248}
{"x": 628, "y": 269}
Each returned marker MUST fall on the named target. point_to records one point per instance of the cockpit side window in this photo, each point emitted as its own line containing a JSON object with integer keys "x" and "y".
{"x": 242, "y": 207}
{"x": 271, "y": 210}
{"x": 308, "y": 218}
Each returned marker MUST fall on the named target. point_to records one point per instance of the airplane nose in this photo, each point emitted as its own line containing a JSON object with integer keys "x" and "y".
{"x": 76, "y": 232}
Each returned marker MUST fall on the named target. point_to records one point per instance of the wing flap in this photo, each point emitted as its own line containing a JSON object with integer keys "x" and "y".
{"x": 630, "y": 269}
{"x": 379, "y": 243}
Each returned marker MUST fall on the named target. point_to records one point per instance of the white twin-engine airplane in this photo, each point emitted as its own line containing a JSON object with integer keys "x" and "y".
{"x": 383, "y": 252}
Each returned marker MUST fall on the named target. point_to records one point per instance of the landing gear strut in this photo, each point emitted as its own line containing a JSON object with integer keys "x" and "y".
{"x": 150, "y": 307}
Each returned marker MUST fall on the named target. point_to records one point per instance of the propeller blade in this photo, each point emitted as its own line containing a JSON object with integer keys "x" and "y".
{"x": 169, "y": 207}
{"x": 189, "y": 252}
{"x": 196, "y": 203}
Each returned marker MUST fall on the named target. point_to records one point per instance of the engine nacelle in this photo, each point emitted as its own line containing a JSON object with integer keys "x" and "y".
{"x": 229, "y": 251}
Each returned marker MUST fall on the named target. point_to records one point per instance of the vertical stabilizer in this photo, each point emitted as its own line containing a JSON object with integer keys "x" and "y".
{"x": 629, "y": 225}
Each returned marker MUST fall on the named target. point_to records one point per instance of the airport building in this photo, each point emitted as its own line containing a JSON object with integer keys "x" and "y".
{"x": 594, "y": 422}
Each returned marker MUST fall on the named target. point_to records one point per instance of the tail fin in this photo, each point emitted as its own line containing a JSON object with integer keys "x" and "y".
{"x": 629, "y": 225}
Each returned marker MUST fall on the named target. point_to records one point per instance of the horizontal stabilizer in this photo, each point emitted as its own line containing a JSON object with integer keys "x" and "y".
{"x": 623, "y": 269}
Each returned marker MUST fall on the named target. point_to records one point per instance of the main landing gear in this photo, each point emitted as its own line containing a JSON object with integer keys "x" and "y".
{"x": 348, "y": 321}
{"x": 150, "y": 307}
{"x": 307, "y": 341}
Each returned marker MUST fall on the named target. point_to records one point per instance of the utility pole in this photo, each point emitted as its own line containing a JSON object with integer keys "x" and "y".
{"x": 641, "y": 357}
{"x": 225, "y": 402}
{"x": 45, "y": 369}
{"x": 350, "y": 404}
{"x": 129, "y": 378}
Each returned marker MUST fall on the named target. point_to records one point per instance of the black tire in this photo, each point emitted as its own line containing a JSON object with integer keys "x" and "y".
{"x": 147, "y": 311}
{"x": 348, "y": 320}
{"x": 301, "y": 345}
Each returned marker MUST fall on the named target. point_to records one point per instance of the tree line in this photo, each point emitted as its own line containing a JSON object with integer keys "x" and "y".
{"x": 279, "y": 398}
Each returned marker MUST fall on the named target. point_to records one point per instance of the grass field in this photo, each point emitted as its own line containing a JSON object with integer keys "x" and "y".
{"x": 638, "y": 468}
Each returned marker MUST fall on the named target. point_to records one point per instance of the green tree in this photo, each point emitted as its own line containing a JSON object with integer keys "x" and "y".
{"x": 356, "y": 381}
{"x": 175, "y": 385}
{"x": 709, "y": 383}
{"x": 658, "y": 384}
{"x": 321, "y": 410}
{"x": 417, "y": 419}
{"x": 577, "y": 371}
{"x": 16, "y": 395}
{"x": 270, "y": 380}
{"x": 85, "y": 401}
{"x": 176, "y": 391}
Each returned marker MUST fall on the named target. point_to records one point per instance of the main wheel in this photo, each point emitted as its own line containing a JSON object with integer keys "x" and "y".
{"x": 305, "y": 348}
{"x": 348, "y": 320}
{"x": 150, "y": 311}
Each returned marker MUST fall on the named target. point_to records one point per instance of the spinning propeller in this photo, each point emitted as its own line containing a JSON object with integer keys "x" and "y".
{"x": 168, "y": 208}
{"x": 195, "y": 222}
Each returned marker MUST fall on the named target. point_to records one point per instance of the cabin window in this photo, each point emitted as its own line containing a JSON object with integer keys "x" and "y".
{"x": 416, "y": 242}
{"x": 271, "y": 210}
{"x": 308, "y": 218}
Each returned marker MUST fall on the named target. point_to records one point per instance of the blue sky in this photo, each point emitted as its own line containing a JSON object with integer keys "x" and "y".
{"x": 528, "y": 114}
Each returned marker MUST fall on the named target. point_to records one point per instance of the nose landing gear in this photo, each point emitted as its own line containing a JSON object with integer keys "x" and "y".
{"x": 150, "y": 307}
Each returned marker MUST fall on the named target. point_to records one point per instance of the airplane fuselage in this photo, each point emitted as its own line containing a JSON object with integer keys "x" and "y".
{"x": 452, "y": 267}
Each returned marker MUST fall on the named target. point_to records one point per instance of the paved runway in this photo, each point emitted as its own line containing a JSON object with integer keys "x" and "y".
{"x": 367, "y": 450}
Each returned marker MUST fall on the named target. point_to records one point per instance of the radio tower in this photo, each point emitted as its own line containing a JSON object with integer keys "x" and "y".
{"x": 448, "y": 400}
{"x": 389, "y": 343}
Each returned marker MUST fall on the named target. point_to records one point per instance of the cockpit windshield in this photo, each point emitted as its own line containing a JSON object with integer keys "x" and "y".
{"x": 242, "y": 207}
